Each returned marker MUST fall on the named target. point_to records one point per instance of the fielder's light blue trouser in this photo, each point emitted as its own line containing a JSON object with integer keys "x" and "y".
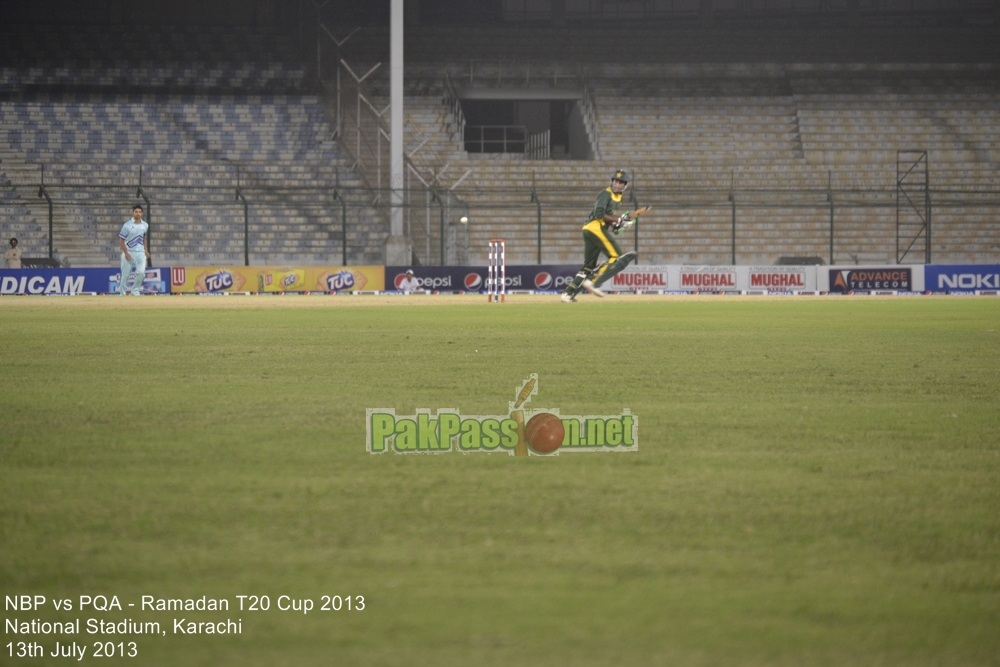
{"x": 137, "y": 269}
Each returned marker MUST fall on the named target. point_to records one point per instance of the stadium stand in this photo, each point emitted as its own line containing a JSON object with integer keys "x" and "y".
{"x": 698, "y": 137}
{"x": 726, "y": 133}
{"x": 16, "y": 221}
{"x": 190, "y": 151}
{"x": 707, "y": 116}
{"x": 230, "y": 114}
{"x": 776, "y": 139}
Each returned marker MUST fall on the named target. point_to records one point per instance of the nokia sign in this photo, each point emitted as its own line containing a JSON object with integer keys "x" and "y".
{"x": 961, "y": 277}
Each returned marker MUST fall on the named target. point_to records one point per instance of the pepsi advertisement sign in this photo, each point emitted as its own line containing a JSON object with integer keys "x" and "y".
{"x": 553, "y": 278}
{"x": 542, "y": 277}
{"x": 961, "y": 277}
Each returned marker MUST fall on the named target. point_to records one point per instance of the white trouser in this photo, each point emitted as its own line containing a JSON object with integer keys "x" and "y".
{"x": 137, "y": 267}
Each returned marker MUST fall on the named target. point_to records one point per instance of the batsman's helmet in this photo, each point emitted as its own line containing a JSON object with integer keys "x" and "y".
{"x": 620, "y": 176}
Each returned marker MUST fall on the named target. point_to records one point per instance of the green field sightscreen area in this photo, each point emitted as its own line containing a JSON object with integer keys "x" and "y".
{"x": 817, "y": 481}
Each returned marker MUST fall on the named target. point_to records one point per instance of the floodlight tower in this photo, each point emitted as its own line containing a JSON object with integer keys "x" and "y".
{"x": 397, "y": 247}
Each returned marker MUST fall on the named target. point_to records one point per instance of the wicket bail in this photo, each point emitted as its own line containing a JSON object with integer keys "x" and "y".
{"x": 496, "y": 278}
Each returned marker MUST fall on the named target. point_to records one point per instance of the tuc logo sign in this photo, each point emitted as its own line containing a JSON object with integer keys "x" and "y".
{"x": 520, "y": 432}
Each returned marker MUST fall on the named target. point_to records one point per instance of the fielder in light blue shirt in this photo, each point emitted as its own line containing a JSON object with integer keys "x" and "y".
{"x": 135, "y": 252}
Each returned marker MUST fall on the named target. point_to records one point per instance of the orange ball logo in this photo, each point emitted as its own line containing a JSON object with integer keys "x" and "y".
{"x": 545, "y": 433}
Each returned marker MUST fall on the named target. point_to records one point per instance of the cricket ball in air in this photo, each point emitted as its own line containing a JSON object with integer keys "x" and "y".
{"x": 463, "y": 220}
{"x": 544, "y": 432}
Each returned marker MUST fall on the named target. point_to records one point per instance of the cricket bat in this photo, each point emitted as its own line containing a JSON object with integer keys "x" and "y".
{"x": 637, "y": 212}
{"x": 632, "y": 215}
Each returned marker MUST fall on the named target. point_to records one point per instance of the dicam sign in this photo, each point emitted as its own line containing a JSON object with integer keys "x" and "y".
{"x": 40, "y": 284}
{"x": 75, "y": 281}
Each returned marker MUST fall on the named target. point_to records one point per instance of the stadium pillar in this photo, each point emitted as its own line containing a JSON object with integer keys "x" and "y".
{"x": 412, "y": 10}
{"x": 397, "y": 246}
{"x": 853, "y": 14}
{"x": 706, "y": 12}
{"x": 558, "y": 13}
{"x": 732, "y": 199}
{"x": 829, "y": 199}
{"x": 116, "y": 12}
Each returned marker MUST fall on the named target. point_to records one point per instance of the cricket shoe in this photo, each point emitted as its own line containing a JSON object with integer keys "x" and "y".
{"x": 592, "y": 288}
{"x": 568, "y": 298}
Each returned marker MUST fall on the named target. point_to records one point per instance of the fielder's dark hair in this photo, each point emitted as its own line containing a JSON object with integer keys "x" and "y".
{"x": 13, "y": 240}
{"x": 138, "y": 206}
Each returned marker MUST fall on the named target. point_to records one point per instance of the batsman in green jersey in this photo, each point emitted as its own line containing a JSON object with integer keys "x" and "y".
{"x": 598, "y": 238}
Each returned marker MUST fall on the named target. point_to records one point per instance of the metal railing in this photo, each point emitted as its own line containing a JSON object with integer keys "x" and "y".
{"x": 689, "y": 224}
{"x": 42, "y": 192}
{"x": 738, "y": 225}
{"x": 361, "y": 117}
{"x": 454, "y": 105}
{"x": 495, "y": 139}
{"x": 205, "y": 221}
{"x": 591, "y": 121}
{"x": 528, "y": 11}
{"x": 538, "y": 145}
{"x": 492, "y": 72}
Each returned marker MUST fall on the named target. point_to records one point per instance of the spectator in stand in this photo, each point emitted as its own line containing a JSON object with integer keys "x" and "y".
{"x": 409, "y": 284}
{"x": 13, "y": 255}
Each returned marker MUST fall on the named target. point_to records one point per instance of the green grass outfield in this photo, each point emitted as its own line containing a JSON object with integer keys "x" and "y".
{"x": 817, "y": 481}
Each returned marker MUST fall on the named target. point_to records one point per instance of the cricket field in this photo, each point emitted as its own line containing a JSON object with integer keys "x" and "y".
{"x": 817, "y": 482}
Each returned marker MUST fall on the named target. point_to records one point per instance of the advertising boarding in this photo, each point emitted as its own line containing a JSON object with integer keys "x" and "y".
{"x": 276, "y": 280}
{"x": 707, "y": 278}
{"x": 714, "y": 279}
{"x": 782, "y": 278}
{"x": 639, "y": 279}
{"x": 76, "y": 281}
{"x": 541, "y": 277}
{"x": 962, "y": 278}
{"x": 872, "y": 279}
